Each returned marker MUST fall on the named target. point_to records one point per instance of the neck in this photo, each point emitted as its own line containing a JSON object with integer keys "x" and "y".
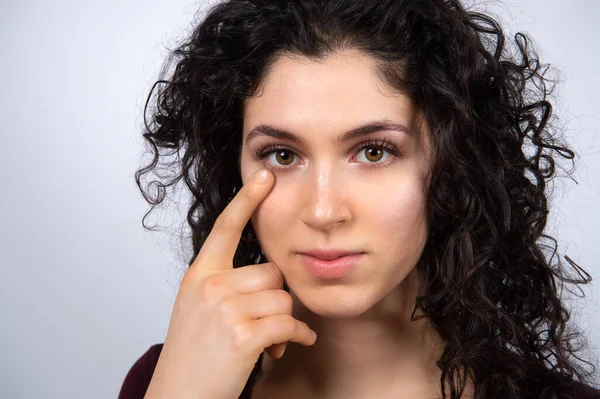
{"x": 379, "y": 353}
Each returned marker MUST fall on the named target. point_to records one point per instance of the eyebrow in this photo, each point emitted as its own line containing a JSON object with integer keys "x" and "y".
{"x": 359, "y": 131}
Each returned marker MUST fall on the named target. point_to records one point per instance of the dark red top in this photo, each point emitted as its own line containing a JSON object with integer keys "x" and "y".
{"x": 138, "y": 378}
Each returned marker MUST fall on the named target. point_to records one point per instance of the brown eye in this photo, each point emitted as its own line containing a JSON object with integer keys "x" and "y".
{"x": 284, "y": 157}
{"x": 374, "y": 154}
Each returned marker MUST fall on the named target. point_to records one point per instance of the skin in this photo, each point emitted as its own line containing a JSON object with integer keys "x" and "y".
{"x": 328, "y": 194}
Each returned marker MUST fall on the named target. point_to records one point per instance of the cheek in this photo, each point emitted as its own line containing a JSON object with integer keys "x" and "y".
{"x": 274, "y": 219}
{"x": 399, "y": 214}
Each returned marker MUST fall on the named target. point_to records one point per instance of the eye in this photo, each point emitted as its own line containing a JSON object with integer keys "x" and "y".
{"x": 373, "y": 153}
{"x": 278, "y": 156}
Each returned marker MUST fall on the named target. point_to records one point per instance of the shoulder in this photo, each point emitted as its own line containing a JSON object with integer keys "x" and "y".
{"x": 138, "y": 378}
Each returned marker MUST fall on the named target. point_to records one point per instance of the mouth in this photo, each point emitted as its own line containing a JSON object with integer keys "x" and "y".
{"x": 337, "y": 266}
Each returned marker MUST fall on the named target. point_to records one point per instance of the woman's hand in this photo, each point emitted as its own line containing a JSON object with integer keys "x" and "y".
{"x": 224, "y": 318}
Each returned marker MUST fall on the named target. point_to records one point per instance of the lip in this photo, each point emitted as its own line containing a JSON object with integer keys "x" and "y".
{"x": 331, "y": 269}
{"x": 329, "y": 254}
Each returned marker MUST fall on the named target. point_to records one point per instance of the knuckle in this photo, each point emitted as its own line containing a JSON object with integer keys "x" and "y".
{"x": 227, "y": 308}
{"x": 289, "y": 324}
{"x": 209, "y": 287}
{"x": 242, "y": 335}
{"x": 286, "y": 300}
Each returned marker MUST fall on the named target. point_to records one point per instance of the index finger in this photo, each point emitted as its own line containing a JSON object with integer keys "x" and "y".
{"x": 220, "y": 246}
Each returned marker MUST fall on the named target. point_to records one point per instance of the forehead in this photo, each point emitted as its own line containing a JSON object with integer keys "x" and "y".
{"x": 338, "y": 92}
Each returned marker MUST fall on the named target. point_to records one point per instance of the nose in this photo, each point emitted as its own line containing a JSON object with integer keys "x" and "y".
{"x": 326, "y": 200}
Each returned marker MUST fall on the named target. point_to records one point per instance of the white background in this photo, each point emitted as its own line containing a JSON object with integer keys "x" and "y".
{"x": 84, "y": 291}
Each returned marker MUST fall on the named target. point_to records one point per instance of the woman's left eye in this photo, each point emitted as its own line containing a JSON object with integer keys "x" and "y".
{"x": 374, "y": 152}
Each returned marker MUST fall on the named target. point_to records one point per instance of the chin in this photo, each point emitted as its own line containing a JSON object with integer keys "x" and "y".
{"x": 334, "y": 301}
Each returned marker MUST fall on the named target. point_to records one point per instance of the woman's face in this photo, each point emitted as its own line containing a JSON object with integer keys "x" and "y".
{"x": 335, "y": 194}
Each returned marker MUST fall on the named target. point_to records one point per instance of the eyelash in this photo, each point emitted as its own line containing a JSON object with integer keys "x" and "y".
{"x": 383, "y": 144}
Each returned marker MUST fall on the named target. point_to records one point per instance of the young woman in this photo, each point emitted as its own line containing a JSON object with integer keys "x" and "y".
{"x": 373, "y": 172}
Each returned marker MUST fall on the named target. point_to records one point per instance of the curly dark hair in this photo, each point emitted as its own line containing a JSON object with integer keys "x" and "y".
{"x": 490, "y": 275}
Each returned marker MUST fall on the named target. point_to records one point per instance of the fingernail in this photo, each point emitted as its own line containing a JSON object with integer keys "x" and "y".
{"x": 314, "y": 334}
{"x": 261, "y": 176}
